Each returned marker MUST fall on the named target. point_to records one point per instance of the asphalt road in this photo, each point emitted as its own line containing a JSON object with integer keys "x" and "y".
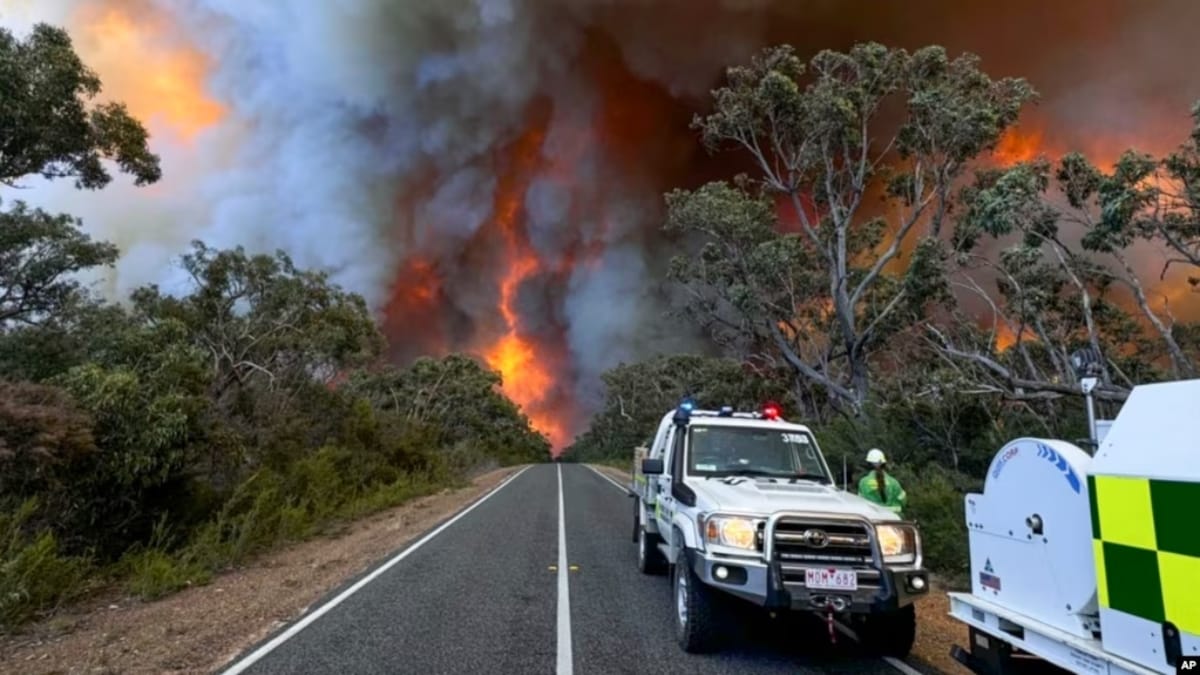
{"x": 482, "y": 593}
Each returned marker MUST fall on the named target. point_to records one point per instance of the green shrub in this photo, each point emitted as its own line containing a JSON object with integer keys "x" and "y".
{"x": 153, "y": 573}
{"x": 34, "y": 575}
{"x": 387, "y": 496}
{"x": 461, "y": 458}
{"x": 331, "y": 485}
{"x": 153, "y": 570}
{"x": 936, "y": 502}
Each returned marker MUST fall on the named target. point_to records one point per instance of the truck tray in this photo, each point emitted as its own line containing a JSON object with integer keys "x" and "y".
{"x": 1062, "y": 649}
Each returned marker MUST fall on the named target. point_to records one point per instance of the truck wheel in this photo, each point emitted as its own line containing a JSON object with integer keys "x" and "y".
{"x": 650, "y": 559}
{"x": 696, "y": 611}
{"x": 889, "y": 633}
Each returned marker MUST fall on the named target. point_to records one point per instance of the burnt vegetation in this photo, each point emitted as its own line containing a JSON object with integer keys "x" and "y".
{"x": 895, "y": 286}
{"x": 153, "y": 442}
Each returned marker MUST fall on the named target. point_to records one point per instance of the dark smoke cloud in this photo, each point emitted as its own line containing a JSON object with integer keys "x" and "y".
{"x": 365, "y": 134}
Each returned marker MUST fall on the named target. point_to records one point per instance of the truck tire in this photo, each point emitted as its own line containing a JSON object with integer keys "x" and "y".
{"x": 697, "y": 615}
{"x": 637, "y": 518}
{"x": 650, "y": 559}
{"x": 889, "y": 633}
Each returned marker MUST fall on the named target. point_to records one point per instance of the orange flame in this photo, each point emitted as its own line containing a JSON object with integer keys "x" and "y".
{"x": 1006, "y": 338}
{"x": 1017, "y": 146}
{"x": 526, "y": 377}
{"x": 1030, "y": 141}
{"x": 412, "y": 303}
{"x": 145, "y": 65}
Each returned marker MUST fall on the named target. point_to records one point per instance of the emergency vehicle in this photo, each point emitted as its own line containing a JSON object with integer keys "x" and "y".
{"x": 1090, "y": 562}
{"x": 742, "y": 507}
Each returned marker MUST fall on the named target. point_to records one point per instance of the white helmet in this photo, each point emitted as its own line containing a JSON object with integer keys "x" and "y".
{"x": 875, "y": 456}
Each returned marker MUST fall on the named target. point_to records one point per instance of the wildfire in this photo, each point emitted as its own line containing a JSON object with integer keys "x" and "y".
{"x": 413, "y": 310}
{"x": 1006, "y": 338}
{"x": 1017, "y": 145}
{"x": 147, "y": 67}
{"x": 1029, "y": 141}
{"x": 527, "y": 379}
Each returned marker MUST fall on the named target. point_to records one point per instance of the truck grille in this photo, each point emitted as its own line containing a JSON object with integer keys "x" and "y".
{"x": 846, "y": 544}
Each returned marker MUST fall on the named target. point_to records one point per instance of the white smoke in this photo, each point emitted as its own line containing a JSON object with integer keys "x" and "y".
{"x": 336, "y": 109}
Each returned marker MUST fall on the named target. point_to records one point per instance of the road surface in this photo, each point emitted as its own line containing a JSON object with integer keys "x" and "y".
{"x": 487, "y": 592}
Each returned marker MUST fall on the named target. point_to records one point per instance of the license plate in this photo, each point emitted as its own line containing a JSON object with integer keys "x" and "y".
{"x": 831, "y": 579}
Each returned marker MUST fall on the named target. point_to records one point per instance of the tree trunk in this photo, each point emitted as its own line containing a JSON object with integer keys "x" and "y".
{"x": 1181, "y": 364}
{"x": 860, "y": 383}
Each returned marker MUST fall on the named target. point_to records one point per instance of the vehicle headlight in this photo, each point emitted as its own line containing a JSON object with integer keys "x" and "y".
{"x": 731, "y": 531}
{"x": 897, "y": 543}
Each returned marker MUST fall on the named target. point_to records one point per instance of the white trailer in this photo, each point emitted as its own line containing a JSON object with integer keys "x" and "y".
{"x": 1091, "y": 563}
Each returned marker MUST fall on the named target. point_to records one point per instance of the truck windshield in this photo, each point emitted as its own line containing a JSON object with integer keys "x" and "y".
{"x": 747, "y": 451}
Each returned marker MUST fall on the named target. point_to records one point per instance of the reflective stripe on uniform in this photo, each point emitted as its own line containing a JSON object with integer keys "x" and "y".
{"x": 1147, "y": 551}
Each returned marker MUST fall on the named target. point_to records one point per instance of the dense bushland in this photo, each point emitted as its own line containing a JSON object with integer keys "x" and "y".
{"x": 155, "y": 441}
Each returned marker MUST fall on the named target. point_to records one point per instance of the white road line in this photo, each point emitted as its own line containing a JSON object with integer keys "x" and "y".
{"x": 890, "y": 660}
{"x": 845, "y": 630}
{"x": 600, "y": 473}
{"x": 308, "y": 619}
{"x": 565, "y": 659}
{"x": 901, "y": 666}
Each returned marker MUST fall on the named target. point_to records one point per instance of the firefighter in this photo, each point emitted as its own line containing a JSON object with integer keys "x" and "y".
{"x": 880, "y": 486}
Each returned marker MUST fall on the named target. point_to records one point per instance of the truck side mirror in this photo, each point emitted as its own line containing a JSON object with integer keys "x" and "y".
{"x": 652, "y": 467}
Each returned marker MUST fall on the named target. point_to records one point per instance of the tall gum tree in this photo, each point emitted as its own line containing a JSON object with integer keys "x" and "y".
{"x": 855, "y": 153}
{"x": 49, "y": 127}
{"x": 1056, "y": 296}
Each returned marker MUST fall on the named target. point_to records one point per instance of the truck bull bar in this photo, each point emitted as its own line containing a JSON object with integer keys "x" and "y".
{"x": 817, "y": 518}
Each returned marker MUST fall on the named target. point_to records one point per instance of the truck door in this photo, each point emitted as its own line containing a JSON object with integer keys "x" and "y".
{"x": 662, "y": 486}
{"x": 672, "y": 473}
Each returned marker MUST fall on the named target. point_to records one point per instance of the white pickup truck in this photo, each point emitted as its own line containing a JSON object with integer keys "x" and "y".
{"x": 742, "y": 505}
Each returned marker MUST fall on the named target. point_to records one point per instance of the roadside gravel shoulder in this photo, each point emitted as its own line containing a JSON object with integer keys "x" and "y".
{"x": 201, "y": 629}
{"x": 936, "y": 631}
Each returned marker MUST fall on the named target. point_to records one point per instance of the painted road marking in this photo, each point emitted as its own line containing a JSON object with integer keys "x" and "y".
{"x": 845, "y": 630}
{"x": 891, "y": 660}
{"x": 565, "y": 659}
{"x": 300, "y": 625}
{"x": 605, "y": 477}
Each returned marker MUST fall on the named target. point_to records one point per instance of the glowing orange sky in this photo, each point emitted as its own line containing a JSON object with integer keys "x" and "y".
{"x": 143, "y": 64}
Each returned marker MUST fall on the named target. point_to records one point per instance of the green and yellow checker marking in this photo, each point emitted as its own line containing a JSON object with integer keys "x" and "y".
{"x": 1147, "y": 548}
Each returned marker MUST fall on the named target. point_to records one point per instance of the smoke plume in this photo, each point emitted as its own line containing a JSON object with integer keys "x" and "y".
{"x": 488, "y": 173}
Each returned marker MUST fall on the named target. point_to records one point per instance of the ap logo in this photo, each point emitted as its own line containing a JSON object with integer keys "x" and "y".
{"x": 1188, "y": 664}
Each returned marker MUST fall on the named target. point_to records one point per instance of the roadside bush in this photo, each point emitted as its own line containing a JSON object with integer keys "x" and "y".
{"x": 333, "y": 484}
{"x": 936, "y": 502}
{"x": 464, "y": 456}
{"x": 392, "y": 494}
{"x": 153, "y": 572}
{"x": 46, "y": 444}
{"x": 34, "y": 575}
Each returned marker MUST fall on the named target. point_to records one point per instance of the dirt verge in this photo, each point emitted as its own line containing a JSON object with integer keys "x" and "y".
{"x": 936, "y": 631}
{"x": 200, "y": 629}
